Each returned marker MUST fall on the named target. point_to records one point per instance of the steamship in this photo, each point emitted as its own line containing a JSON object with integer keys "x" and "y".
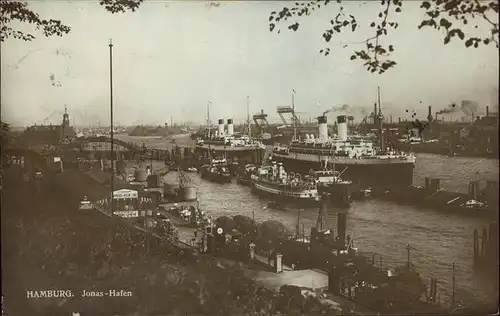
{"x": 364, "y": 165}
{"x": 273, "y": 181}
{"x": 234, "y": 147}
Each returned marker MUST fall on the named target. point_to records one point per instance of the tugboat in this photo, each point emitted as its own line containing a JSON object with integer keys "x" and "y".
{"x": 275, "y": 182}
{"x": 244, "y": 177}
{"x": 217, "y": 171}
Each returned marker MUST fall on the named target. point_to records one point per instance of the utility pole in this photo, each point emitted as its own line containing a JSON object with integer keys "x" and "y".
{"x": 208, "y": 118}
{"x": 112, "y": 132}
{"x": 293, "y": 116}
{"x": 408, "y": 248}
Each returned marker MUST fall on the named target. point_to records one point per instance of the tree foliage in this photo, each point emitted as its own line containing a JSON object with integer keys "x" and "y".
{"x": 447, "y": 16}
{"x": 450, "y": 16}
{"x": 15, "y": 11}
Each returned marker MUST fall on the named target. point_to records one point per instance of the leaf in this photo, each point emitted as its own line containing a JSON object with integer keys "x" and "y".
{"x": 446, "y": 40}
{"x": 353, "y": 26}
{"x": 444, "y": 23}
{"x": 469, "y": 42}
{"x": 426, "y": 5}
{"x": 294, "y": 26}
{"x": 372, "y": 24}
{"x": 391, "y": 48}
{"x": 271, "y": 27}
{"x": 353, "y": 57}
{"x": 398, "y": 9}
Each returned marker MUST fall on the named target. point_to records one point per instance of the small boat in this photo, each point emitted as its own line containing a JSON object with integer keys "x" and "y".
{"x": 185, "y": 213}
{"x": 362, "y": 194}
{"x": 217, "y": 171}
{"x": 276, "y": 206}
{"x": 192, "y": 169}
{"x": 243, "y": 180}
{"x": 475, "y": 205}
{"x": 245, "y": 177}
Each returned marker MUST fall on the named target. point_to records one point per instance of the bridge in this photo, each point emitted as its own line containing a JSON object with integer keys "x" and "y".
{"x": 103, "y": 143}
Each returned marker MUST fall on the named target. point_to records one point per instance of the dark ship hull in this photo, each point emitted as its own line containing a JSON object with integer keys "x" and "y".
{"x": 243, "y": 180}
{"x": 377, "y": 175}
{"x": 216, "y": 176}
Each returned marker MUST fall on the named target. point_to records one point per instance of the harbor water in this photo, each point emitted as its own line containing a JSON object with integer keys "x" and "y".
{"x": 437, "y": 239}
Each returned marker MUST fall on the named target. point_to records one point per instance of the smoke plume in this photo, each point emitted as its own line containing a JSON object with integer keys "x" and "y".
{"x": 468, "y": 107}
{"x": 343, "y": 108}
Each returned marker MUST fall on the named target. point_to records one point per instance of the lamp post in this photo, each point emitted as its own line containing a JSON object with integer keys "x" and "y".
{"x": 111, "y": 118}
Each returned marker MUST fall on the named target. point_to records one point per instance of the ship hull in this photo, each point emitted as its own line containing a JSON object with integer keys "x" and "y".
{"x": 377, "y": 173}
{"x": 215, "y": 177}
{"x": 245, "y": 155}
{"x": 243, "y": 180}
{"x": 304, "y": 198}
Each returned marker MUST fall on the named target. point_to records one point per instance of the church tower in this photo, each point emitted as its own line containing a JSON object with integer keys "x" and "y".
{"x": 65, "y": 122}
{"x": 66, "y": 130}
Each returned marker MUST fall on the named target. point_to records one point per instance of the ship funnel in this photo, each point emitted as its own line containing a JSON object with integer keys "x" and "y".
{"x": 322, "y": 128}
{"x": 221, "y": 127}
{"x": 230, "y": 127}
{"x": 342, "y": 127}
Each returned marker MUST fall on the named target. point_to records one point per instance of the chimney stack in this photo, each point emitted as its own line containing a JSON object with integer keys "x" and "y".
{"x": 221, "y": 127}
{"x": 341, "y": 127}
{"x": 429, "y": 115}
{"x": 230, "y": 127}
{"x": 322, "y": 128}
{"x": 487, "y": 111}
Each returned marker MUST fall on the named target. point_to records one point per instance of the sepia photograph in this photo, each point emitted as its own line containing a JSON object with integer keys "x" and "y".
{"x": 249, "y": 158}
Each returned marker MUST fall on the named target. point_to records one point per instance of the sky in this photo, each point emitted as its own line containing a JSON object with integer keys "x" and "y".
{"x": 171, "y": 58}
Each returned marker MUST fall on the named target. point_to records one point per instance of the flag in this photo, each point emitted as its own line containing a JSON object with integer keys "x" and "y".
{"x": 294, "y": 91}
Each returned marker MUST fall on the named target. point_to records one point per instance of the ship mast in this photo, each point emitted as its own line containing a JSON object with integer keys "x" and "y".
{"x": 381, "y": 121}
{"x": 208, "y": 118}
{"x": 248, "y": 117}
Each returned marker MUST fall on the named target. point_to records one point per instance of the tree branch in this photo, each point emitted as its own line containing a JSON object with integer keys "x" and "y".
{"x": 11, "y": 11}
